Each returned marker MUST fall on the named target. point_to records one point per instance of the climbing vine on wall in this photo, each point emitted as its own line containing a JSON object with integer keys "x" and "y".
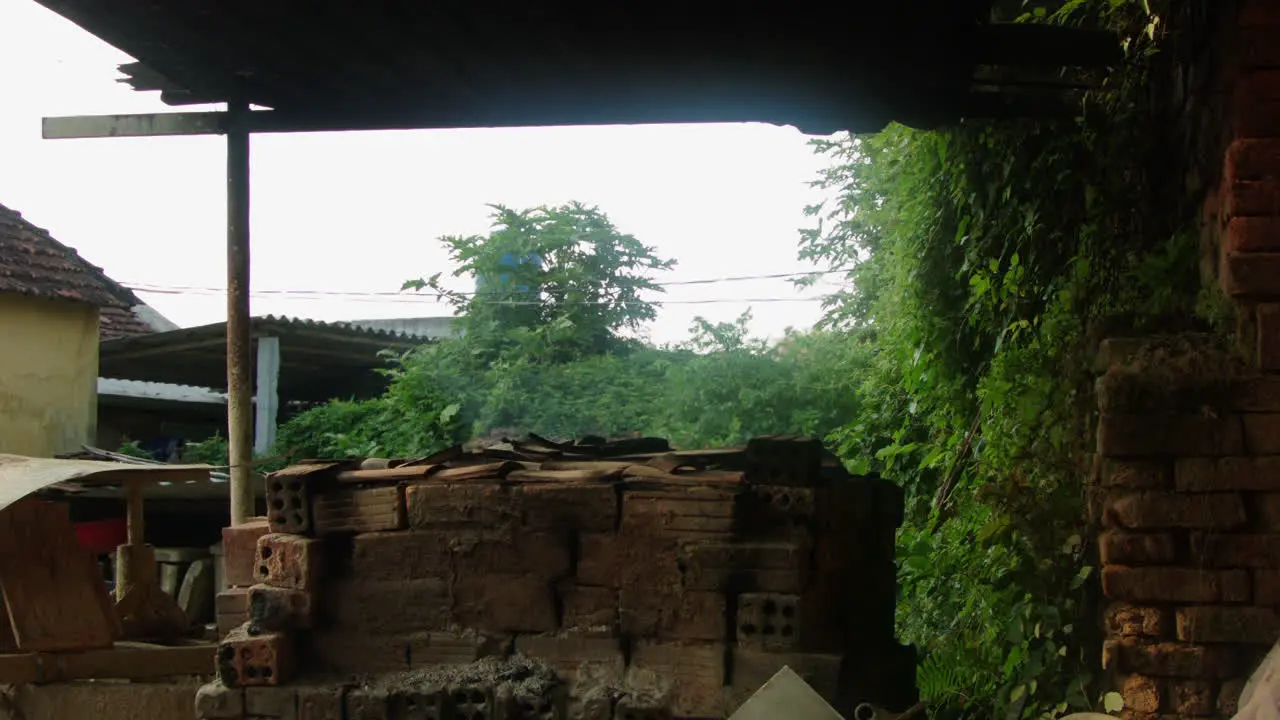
{"x": 986, "y": 257}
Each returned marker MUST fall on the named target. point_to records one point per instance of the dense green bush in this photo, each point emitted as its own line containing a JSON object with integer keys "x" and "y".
{"x": 698, "y": 395}
{"x": 985, "y": 256}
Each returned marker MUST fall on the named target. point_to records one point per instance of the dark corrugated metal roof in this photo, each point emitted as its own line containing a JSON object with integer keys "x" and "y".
{"x": 318, "y": 360}
{"x": 33, "y": 263}
{"x": 464, "y": 63}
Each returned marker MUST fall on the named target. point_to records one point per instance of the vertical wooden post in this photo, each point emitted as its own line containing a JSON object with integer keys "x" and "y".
{"x": 135, "y": 517}
{"x": 135, "y": 561}
{"x": 239, "y": 336}
{"x": 267, "y": 393}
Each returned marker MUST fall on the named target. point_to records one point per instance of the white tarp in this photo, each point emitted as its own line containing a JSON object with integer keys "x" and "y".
{"x": 20, "y": 476}
{"x": 1260, "y": 699}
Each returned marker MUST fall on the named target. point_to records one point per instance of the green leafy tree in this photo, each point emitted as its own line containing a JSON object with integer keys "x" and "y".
{"x": 563, "y": 283}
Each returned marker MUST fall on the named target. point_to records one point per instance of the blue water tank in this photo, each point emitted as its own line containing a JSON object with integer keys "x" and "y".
{"x": 509, "y": 260}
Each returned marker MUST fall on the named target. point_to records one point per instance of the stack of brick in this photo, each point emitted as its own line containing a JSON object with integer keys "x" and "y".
{"x": 1242, "y": 219}
{"x": 684, "y": 580}
{"x": 1189, "y": 499}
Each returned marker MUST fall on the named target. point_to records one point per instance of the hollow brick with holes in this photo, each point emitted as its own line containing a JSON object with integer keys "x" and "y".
{"x": 777, "y": 510}
{"x": 289, "y": 504}
{"x": 768, "y": 621}
{"x": 289, "y": 561}
{"x": 246, "y": 660}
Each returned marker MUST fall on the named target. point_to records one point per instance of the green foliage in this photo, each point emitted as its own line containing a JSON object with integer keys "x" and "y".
{"x": 699, "y": 395}
{"x": 722, "y": 386}
{"x": 576, "y": 298}
{"x": 133, "y": 449}
{"x": 548, "y": 350}
{"x": 985, "y": 256}
{"x": 210, "y": 451}
{"x": 406, "y": 421}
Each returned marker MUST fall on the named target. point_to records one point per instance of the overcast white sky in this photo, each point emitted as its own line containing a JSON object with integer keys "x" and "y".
{"x": 361, "y": 212}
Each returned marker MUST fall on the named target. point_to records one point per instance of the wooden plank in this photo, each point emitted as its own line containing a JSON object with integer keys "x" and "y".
{"x": 19, "y": 669}
{"x": 52, "y": 588}
{"x": 132, "y": 661}
{"x": 139, "y": 125}
{"x": 211, "y": 123}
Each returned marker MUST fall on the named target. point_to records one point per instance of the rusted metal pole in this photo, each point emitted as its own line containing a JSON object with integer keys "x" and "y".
{"x": 239, "y": 337}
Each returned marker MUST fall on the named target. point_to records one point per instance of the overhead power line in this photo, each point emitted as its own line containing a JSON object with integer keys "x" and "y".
{"x": 419, "y": 297}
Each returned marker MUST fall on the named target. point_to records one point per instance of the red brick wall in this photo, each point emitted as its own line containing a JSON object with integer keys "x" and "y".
{"x": 1242, "y": 214}
{"x": 1188, "y": 497}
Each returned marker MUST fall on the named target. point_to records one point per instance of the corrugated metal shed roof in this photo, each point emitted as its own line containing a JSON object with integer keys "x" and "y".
{"x": 33, "y": 263}
{"x": 160, "y": 391}
{"x": 435, "y": 328}
{"x": 318, "y": 360}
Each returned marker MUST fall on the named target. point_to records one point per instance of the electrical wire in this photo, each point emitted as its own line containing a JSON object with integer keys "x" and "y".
{"x": 420, "y": 299}
{"x": 417, "y": 297}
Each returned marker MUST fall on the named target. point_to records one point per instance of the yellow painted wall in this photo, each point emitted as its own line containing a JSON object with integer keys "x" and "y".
{"x": 48, "y": 375}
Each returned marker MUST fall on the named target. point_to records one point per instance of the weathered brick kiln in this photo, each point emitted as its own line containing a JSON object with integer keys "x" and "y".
{"x": 541, "y": 580}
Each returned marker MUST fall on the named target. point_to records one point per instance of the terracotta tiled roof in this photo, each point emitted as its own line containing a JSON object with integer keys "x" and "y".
{"x": 115, "y": 323}
{"x": 33, "y": 263}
